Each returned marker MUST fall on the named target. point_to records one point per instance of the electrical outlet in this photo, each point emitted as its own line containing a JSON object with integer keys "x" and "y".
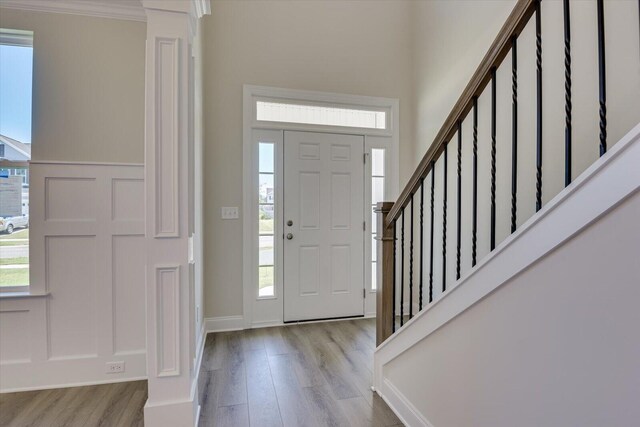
{"x": 115, "y": 367}
{"x": 230, "y": 213}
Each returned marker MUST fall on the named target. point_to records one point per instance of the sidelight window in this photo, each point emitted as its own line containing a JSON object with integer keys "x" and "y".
{"x": 266, "y": 219}
{"x": 377, "y": 195}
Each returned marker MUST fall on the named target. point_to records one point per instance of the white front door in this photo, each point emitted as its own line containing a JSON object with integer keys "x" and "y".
{"x": 323, "y": 225}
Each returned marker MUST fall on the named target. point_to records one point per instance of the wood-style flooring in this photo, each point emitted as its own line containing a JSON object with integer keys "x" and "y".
{"x": 310, "y": 374}
{"x": 313, "y": 374}
{"x": 118, "y": 404}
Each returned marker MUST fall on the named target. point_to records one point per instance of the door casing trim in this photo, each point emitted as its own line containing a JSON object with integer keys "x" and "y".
{"x": 250, "y": 94}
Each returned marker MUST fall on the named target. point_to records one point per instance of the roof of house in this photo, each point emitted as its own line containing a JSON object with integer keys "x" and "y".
{"x": 21, "y": 147}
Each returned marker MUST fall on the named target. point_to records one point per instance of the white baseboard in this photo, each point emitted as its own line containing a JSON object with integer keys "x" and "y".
{"x": 171, "y": 414}
{"x": 71, "y": 372}
{"x": 401, "y": 406}
{"x": 267, "y": 324}
{"x": 224, "y": 323}
{"x": 76, "y": 384}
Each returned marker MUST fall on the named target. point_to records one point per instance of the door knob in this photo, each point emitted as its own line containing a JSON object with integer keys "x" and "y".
{"x": 289, "y": 223}
{"x": 289, "y": 236}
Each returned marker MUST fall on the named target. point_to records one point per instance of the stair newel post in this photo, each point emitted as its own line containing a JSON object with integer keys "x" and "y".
{"x": 385, "y": 272}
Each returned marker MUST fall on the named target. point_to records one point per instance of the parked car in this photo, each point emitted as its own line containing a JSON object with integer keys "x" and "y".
{"x": 10, "y": 223}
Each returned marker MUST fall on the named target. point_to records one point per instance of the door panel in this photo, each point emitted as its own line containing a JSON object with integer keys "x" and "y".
{"x": 324, "y": 200}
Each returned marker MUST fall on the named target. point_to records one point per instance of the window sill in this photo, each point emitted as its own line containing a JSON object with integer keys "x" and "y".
{"x": 23, "y": 294}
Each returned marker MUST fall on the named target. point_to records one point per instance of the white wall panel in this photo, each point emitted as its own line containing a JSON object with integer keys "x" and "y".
{"x": 128, "y": 199}
{"x": 13, "y": 325}
{"x": 71, "y": 308}
{"x": 87, "y": 297}
{"x": 68, "y": 199}
{"x": 128, "y": 292}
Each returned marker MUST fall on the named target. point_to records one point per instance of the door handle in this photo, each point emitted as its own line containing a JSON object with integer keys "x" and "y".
{"x": 289, "y": 236}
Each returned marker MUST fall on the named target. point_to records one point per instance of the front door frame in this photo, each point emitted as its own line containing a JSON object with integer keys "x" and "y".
{"x": 374, "y": 138}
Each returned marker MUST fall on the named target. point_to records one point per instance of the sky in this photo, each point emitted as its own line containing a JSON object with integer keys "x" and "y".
{"x": 16, "y": 74}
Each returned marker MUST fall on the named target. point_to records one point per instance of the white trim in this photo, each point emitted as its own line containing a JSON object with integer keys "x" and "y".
{"x": 224, "y": 323}
{"x": 20, "y": 38}
{"x": 603, "y": 186}
{"x": 67, "y": 162}
{"x": 402, "y": 407}
{"x": 76, "y": 384}
{"x": 22, "y": 294}
{"x": 124, "y": 11}
{"x": 250, "y": 94}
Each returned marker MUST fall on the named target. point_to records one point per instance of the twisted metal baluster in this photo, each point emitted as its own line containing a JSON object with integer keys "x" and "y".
{"x": 567, "y": 93}
{"x": 459, "y": 206}
{"x": 514, "y": 132}
{"x": 421, "y": 241}
{"x": 395, "y": 261}
{"x": 433, "y": 183}
{"x": 474, "y": 226}
{"x": 493, "y": 158}
{"x": 444, "y": 225}
{"x": 603, "y": 80}
{"x": 411, "y": 262}
{"x": 538, "y": 107}
{"x": 402, "y": 271}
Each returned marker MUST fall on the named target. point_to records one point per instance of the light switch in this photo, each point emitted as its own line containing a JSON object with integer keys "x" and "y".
{"x": 230, "y": 213}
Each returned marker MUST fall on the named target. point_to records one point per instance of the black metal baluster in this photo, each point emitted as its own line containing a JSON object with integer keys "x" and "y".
{"x": 602, "y": 77}
{"x": 421, "y": 241}
{"x": 444, "y": 224}
{"x": 474, "y": 225}
{"x": 411, "y": 262}
{"x": 567, "y": 93}
{"x": 402, "y": 270}
{"x": 514, "y": 132}
{"x": 459, "y": 206}
{"x": 395, "y": 261}
{"x": 433, "y": 183}
{"x": 493, "y": 158}
{"x": 538, "y": 107}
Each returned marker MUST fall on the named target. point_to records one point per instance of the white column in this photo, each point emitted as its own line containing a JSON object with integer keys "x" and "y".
{"x": 171, "y": 330}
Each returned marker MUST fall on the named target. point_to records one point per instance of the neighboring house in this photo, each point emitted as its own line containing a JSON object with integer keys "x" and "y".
{"x": 13, "y": 150}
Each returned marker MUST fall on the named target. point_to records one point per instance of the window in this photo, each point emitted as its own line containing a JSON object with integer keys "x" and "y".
{"x": 377, "y": 195}
{"x": 320, "y": 115}
{"x": 16, "y": 57}
{"x": 266, "y": 219}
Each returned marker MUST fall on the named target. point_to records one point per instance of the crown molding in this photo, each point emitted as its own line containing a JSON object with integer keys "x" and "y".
{"x": 103, "y": 9}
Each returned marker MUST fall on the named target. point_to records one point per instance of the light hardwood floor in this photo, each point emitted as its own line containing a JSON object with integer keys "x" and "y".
{"x": 312, "y": 374}
{"x": 117, "y": 404}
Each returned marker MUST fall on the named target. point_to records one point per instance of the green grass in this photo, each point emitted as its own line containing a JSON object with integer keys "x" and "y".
{"x": 14, "y": 261}
{"x": 14, "y": 276}
{"x": 22, "y": 234}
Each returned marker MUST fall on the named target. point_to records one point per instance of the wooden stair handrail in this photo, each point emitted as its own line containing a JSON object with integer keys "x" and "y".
{"x": 518, "y": 19}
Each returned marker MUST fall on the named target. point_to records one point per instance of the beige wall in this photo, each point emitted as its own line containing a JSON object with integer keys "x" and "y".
{"x": 557, "y": 345}
{"x": 450, "y": 39}
{"x": 359, "y": 48}
{"x": 88, "y": 89}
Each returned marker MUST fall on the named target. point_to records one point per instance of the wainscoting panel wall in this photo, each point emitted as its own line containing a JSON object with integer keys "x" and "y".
{"x": 86, "y": 305}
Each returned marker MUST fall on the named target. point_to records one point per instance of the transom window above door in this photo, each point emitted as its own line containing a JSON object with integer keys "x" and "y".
{"x": 323, "y": 115}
